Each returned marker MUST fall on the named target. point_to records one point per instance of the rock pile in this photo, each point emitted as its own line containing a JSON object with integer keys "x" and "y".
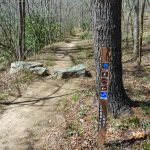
{"x": 35, "y": 67}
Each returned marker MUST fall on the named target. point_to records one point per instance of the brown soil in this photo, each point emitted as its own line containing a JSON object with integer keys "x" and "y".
{"x": 33, "y": 121}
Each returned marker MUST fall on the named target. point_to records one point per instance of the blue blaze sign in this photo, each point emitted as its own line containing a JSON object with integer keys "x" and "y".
{"x": 105, "y": 65}
{"x": 104, "y": 95}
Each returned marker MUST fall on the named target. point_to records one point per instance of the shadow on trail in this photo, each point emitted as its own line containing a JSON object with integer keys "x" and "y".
{"x": 32, "y": 101}
{"x": 36, "y": 100}
{"x": 68, "y": 49}
{"x": 127, "y": 142}
{"x": 65, "y": 51}
{"x": 140, "y": 103}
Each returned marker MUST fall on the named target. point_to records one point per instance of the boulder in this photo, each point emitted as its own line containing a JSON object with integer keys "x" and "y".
{"x": 35, "y": 67}
{"x": 40, "y": 71}
{"x": 75, "y": 71}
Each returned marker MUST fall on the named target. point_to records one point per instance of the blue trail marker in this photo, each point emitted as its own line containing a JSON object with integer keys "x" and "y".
{"x": 105, "y": 65}
{"x": 104, "y": 95}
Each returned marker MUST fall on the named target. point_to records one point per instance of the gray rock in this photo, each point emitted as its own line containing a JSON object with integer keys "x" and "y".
{"x": 35, "y": 67}
{"x": 40, "y": 71}
{"x": 75, "y": 71}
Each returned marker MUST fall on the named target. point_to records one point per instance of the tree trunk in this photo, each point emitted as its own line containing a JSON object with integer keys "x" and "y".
{"x": 107, "y": 34}
{"x": 136, "y": 27}
{"x": 21, "y": 55}
{"x": 141, "y": 35}
{"x": 60, "y": 19}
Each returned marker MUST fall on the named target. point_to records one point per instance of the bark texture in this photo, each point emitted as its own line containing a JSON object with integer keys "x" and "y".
{"x": 21, "y": 53}
{"x": 139, "y": 59}
{"x": 136, "y": 27}
{"x": 107, "y": 33}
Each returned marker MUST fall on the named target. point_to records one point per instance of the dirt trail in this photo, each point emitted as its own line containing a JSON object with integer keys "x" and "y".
{"x": 32, "y": 121}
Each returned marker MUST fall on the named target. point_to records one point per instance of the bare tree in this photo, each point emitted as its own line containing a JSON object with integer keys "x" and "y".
{"x": 141, "y": 34}
{"x": 21, "y": 53}
{"x": 136, "y": 27}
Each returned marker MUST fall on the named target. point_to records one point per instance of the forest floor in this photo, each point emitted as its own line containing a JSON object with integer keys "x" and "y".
{"x": 55, "y": 114}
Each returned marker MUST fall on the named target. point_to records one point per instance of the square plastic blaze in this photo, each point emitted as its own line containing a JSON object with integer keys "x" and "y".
{"x": 105, "y": 66}
{"x": 104, "y": 74}
{"x": 104, "y": 88}
{"x": 104, "y": 95}
{"x": 104, "y": 81}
